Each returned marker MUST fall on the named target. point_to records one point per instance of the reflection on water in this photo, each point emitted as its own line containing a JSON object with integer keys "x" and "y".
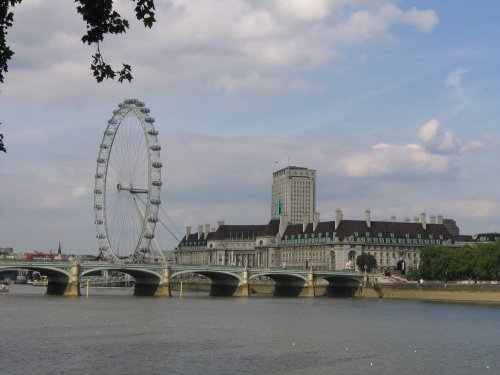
{"x": 113, "y": 332}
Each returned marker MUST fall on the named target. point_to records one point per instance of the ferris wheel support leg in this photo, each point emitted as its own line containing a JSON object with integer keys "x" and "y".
{"x": 164, "y": 289}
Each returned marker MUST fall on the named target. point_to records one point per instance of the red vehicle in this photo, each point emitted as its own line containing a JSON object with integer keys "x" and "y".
{"x": 39, "y": 256}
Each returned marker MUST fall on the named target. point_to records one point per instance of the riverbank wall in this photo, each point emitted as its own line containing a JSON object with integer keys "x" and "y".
{"x": 480, "y": 293}
{"x": 444, "y": 292}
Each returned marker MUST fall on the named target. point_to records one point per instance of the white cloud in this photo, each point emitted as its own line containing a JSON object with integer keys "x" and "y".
{"x": 304, "y": 10}
{"x": 437, "y": 141}
{"x": 369, "y": 24}
{"x": 424, "y": 20}
{"x": 257, "y": 24}
{"x": 255, "y": 84}
{"x": 436, "y": 155}
{"x": 385, "y": 159}
{"x": 462, "y": 96}
{"x": 454, "y": 79}
{"x": 196, "y": 43}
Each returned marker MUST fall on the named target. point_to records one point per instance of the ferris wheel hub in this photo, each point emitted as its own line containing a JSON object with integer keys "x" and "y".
{"x": 132, "y": 189}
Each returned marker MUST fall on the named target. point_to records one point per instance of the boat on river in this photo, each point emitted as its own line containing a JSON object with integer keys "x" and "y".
{"x": 38, "y": 279}
{"x": 41, "y": 282}
{"x": 4, "y": 287}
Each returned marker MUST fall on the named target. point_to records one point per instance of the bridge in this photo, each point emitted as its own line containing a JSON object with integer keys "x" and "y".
{"x": 155, "y": 279}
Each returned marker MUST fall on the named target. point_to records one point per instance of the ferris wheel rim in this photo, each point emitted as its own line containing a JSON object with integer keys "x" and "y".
{"x": 136, "y": 109}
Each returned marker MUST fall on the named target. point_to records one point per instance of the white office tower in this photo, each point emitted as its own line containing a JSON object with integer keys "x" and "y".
{"x": 294, "y": 193}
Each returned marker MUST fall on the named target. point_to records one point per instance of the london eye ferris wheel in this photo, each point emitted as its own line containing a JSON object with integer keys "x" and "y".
{"x": 128, "y": 184}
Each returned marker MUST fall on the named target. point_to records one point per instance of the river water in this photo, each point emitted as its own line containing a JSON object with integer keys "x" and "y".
{"x": 112, "y": 332}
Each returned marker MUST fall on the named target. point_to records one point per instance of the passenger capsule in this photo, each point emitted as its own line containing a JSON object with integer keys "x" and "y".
{"x": 156, "y": 164}
{"x": 145, "y": 110}
{"x": 156, "y": 183}
{"x": 149, "y": 120}
{"x": 155, "y": 147}
{"x": 153, "y": 132}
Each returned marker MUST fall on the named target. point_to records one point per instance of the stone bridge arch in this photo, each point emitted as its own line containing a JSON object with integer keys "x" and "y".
{"x": 288, "y": 284}
{"x": 341, "y": 285}
{"x": 147, "y": 282}
{"x": 61, "y": 280}
{"x": 223, "y": 283}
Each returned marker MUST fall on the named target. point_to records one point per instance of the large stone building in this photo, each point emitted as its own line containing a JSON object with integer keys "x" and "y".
{"x": 294, "y": 193}
{"x": 296, "y": 238}
{"x": 329, "y": 245}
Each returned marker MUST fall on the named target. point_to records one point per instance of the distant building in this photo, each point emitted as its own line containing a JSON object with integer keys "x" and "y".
{"x": 464, "y": 240}
{"x": 294, "y": 194}
{"x": 452, "y": 227}
{"x": 6, "y": 251}
{"x": 488, "y": 237}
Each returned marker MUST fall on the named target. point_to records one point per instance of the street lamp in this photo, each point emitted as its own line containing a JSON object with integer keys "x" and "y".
{"x": 366, "y": 276}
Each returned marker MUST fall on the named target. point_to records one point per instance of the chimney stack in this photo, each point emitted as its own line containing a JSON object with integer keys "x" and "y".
{"x": 305, "y": 220}
{"x": 206, "y": 231}
{"x": 315, "y": 220}
{"x": 423, "y": 220}
{"x": 338, "y": 218}
{"x": 188, "y": 232}
{"x": 200, "y": 231}
{"x": 368, "y": 219}
{"x": 439, "y": 219}
{"x": 283, "y": 224}
{"x": 433, "y": 219}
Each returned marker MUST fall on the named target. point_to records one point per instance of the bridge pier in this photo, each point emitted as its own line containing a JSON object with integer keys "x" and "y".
{"x": 164, "y": 289}
{"x": 59, "y": 285}
{"x": 73, "y": 287}
{"x": 243, "y": 289}
{"x": 308, "y": 288}
{"x": 153, "y": 286}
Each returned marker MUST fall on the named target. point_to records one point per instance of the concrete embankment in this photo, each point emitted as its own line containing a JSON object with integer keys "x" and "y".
{"x": 480, "y": 293}
{"x": 445, "y": 292}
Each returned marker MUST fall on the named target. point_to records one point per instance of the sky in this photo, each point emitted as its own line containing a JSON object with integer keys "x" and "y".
{"x": 393, "y": 103}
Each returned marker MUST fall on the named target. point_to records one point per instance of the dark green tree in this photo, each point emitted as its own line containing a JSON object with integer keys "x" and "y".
{"x": 100, "y": 18}
{"x": 2, "y": 147}
{"x": 481, "y": 261}
{"x": 368, "y": 260}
